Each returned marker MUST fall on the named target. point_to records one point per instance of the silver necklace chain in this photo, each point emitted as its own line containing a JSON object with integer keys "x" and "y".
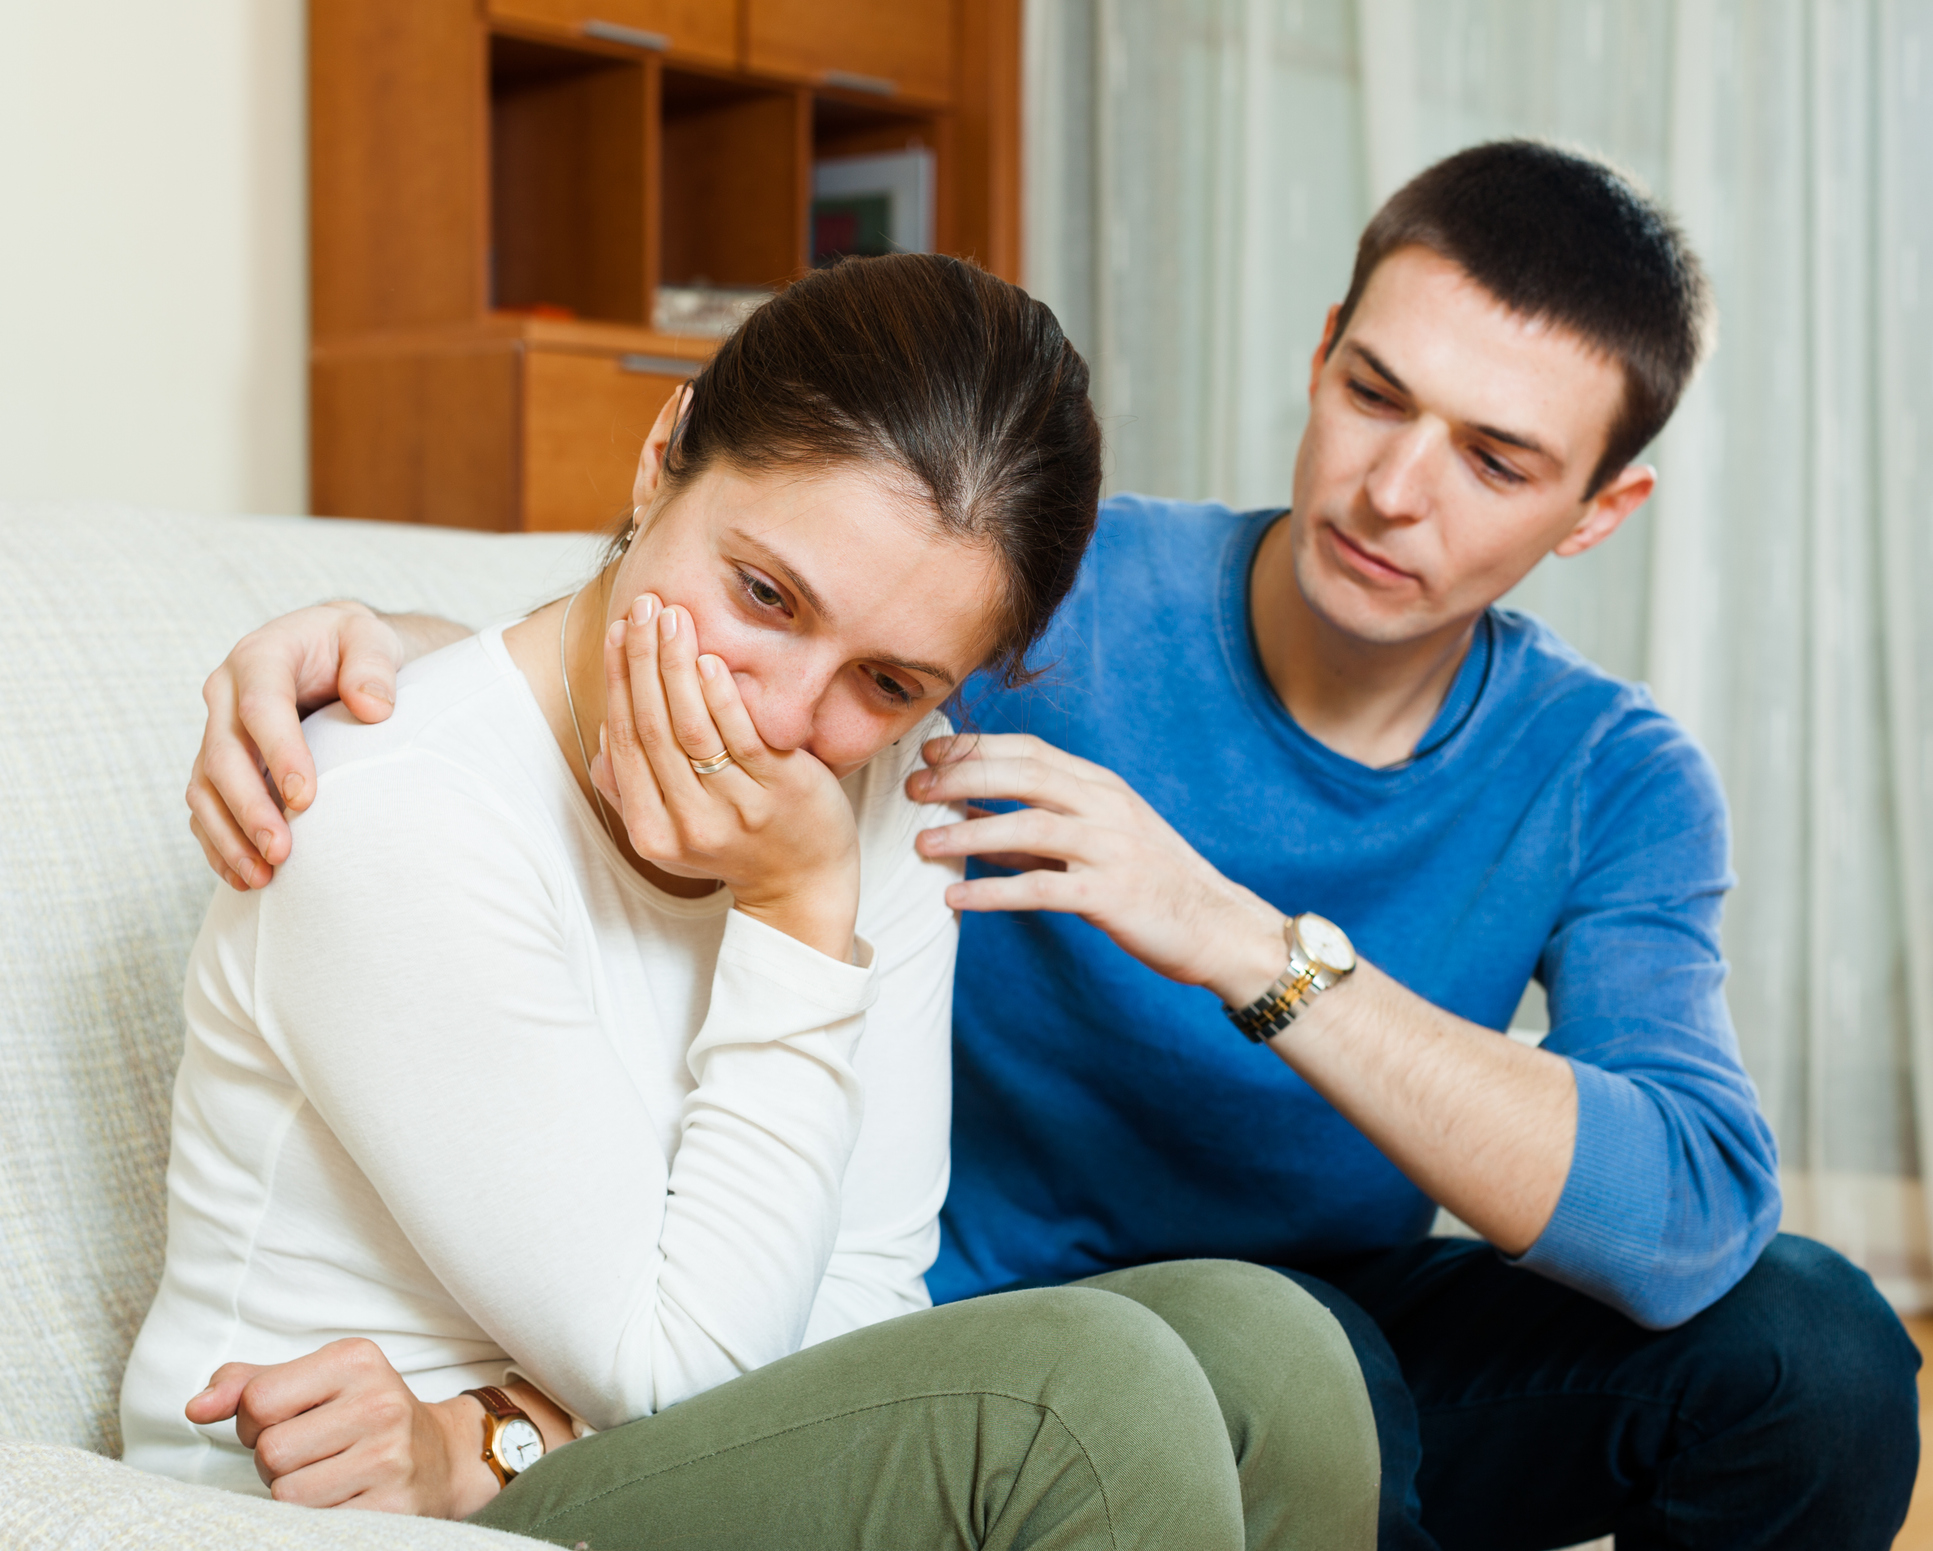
{"x": 563, "y": 665}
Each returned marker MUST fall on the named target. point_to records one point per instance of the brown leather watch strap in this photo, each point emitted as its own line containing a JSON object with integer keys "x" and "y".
{"x": 496, "y": 1402}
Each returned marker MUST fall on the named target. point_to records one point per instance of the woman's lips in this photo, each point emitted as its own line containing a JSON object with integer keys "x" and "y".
{"x": 1366, "y": 562}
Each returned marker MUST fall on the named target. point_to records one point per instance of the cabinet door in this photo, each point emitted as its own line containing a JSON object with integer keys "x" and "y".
{"x": 905, "y": 46}
{"x": 692, "y": 29}
{"x": 585, "y": 418}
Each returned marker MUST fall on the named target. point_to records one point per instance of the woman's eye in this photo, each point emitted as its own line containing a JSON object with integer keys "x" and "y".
{"x": 890, "y": 687}
{"x": 760, "y": 591}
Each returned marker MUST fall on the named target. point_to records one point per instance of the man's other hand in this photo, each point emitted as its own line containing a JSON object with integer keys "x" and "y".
{"x": 1090, "y": 845}
{"x": 253, "y": 761}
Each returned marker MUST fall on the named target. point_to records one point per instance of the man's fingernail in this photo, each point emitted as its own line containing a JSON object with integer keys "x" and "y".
{"x": 292, "y": 786}
{"x": 668, "y": 623}
{"x": 262, "y": 838}
{"x": 376, "y": 691}
{"x": 708, "y": 666}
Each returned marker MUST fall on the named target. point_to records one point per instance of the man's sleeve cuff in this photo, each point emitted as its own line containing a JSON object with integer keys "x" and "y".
{"x": 1603, "y": 1238}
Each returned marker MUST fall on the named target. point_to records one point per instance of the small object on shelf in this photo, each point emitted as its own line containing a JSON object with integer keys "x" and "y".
{"x": 554, "y": 311}
{"x": 870, "y": 205}
{"x": 711, "y": 310}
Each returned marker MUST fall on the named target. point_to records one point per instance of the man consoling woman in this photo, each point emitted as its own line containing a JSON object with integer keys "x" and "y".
{"x": 560, "y": 1141}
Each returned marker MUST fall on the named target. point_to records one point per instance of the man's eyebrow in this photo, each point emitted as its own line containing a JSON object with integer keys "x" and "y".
{"x": 804, "y": 589}
{"x": 1378, "y": 365}
{"x": 1488, "y": 432}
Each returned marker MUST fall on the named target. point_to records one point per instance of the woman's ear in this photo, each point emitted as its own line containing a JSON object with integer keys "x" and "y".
{"x": 657, "y": 445}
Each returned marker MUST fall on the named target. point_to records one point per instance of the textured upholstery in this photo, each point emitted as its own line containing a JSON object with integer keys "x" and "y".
{"x": 109, "y": 620}
{"x": 70, "y": 1500}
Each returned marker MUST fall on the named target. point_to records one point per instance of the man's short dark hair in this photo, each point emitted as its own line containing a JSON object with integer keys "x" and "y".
{"x": 1568, "y": 240}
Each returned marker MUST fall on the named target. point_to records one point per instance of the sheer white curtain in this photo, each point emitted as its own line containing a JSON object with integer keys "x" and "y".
{"x": 1198, "y": 172}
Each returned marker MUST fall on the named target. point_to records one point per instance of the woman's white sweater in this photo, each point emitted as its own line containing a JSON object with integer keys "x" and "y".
{"x": 462, "y": 1082}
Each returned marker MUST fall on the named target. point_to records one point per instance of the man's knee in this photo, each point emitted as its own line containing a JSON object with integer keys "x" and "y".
{"x": 1806, "y": 1341}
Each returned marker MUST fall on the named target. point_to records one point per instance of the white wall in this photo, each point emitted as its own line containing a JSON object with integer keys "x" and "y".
{"x": 153, "y": 252}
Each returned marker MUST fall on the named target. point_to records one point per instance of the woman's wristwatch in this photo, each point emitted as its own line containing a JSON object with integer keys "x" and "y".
{"x": 1320, "y": 954}
{"x": 511, "y": 1441}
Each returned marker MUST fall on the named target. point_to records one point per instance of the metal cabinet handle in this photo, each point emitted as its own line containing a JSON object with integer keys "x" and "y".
{"x": 659, "y": 365}
{"x": 878, "y": 85}
{"x": 636, "y": 37}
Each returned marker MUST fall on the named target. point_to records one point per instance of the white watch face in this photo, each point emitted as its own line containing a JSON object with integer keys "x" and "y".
{"x": 519, "y": 1444}
{"x": 1324, "y": 942}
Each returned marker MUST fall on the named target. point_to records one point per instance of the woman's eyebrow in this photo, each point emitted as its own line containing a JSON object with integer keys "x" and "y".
{"x": 803, "y": 588}
{"x": 783, "y": 566}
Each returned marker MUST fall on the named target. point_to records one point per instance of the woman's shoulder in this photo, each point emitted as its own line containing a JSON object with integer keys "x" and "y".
{"x": 459, "y": 765}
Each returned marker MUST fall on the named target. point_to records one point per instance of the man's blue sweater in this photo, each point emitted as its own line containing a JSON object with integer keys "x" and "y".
{"x": 1552, "y": 823}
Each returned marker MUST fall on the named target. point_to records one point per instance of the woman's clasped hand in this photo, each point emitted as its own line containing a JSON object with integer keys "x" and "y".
{"x": 339, "y": 1428}
{"x": 772, "y": 825}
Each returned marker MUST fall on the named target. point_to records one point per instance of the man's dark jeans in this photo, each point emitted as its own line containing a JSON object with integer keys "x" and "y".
{"x": 1517, "y": 1415}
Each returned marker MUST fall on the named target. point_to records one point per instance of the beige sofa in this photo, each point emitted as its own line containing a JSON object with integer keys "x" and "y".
{"x": 109, "y": 620}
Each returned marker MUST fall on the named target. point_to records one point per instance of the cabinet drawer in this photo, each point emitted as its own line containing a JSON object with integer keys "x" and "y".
{"x": 693, "y": 29}
{"x": 585, "y": 418}
{"x": 907, "y": 43}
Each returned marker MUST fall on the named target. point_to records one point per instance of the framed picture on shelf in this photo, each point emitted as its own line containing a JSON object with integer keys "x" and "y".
{"x": 865, "y": 206}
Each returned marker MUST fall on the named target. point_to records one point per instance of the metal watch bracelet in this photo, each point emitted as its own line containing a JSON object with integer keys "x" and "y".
{"x": 1289, "y": 997}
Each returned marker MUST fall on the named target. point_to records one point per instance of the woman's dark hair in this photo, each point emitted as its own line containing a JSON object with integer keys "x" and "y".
{"x": 933, "y": 368}
{"x": 1567, "y": 239}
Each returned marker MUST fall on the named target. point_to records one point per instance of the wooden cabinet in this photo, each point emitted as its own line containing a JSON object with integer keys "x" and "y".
{"x": 892, "y": 47}
{"x": 585, "y": 418}
{"x": 692, "y": 29}
{"x": 499, "y": 188}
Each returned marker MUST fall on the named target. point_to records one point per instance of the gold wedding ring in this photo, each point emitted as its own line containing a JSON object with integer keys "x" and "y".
{"x": 713, "y": 765}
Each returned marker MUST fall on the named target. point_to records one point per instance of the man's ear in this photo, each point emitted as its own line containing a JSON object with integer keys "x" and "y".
{"x": 657, "y": 444}
{"x": 1605, "y": 512}
{"x": 1322, "y": 350}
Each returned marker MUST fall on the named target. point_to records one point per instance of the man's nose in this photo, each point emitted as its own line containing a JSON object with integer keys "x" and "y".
{"x": 1402, "y": 481}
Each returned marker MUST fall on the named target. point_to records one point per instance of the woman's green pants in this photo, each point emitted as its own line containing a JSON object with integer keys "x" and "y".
{"x": 1201, "y": 1405}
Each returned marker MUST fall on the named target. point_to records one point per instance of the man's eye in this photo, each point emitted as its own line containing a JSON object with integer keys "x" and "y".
{"x": 1497, "y": 469}
{"x": 1367, "y": 395}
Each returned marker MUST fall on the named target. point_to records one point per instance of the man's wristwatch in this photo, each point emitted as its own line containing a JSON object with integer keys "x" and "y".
{"x": 511, "y": 1441}
{"x": 1320, "y": 954}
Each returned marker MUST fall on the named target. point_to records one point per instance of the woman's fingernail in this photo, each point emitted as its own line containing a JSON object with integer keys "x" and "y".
{"x": 379, "y": 692}
{"x": 603, "y": 747}
{"x": 262, "y": 838}
{"x": 668, "y": 623}
{"x": 615, "y": 634}
{"x": 708, "y": 666}
{"x": 291, "y": 786}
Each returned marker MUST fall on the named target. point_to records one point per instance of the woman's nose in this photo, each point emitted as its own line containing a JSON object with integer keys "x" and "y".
{"x": 781, "y": 706}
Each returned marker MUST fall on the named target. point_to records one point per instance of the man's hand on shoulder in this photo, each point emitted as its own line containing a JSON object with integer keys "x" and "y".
{"x": 253, "y": 761}
{"x": 1090, "y": 845}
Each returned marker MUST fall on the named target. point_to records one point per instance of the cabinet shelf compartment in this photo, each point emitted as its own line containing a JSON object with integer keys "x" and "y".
{"x": 570, "y": 180}
{"x": 736, "y": 181}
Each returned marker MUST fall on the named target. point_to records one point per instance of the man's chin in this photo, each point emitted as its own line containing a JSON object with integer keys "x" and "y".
{"x": 1371, "y": 616}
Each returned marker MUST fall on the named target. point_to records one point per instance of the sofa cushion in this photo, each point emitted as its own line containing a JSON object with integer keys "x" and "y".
{"x": 110, "y": 618}
{"x": 52, "y": 1496}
